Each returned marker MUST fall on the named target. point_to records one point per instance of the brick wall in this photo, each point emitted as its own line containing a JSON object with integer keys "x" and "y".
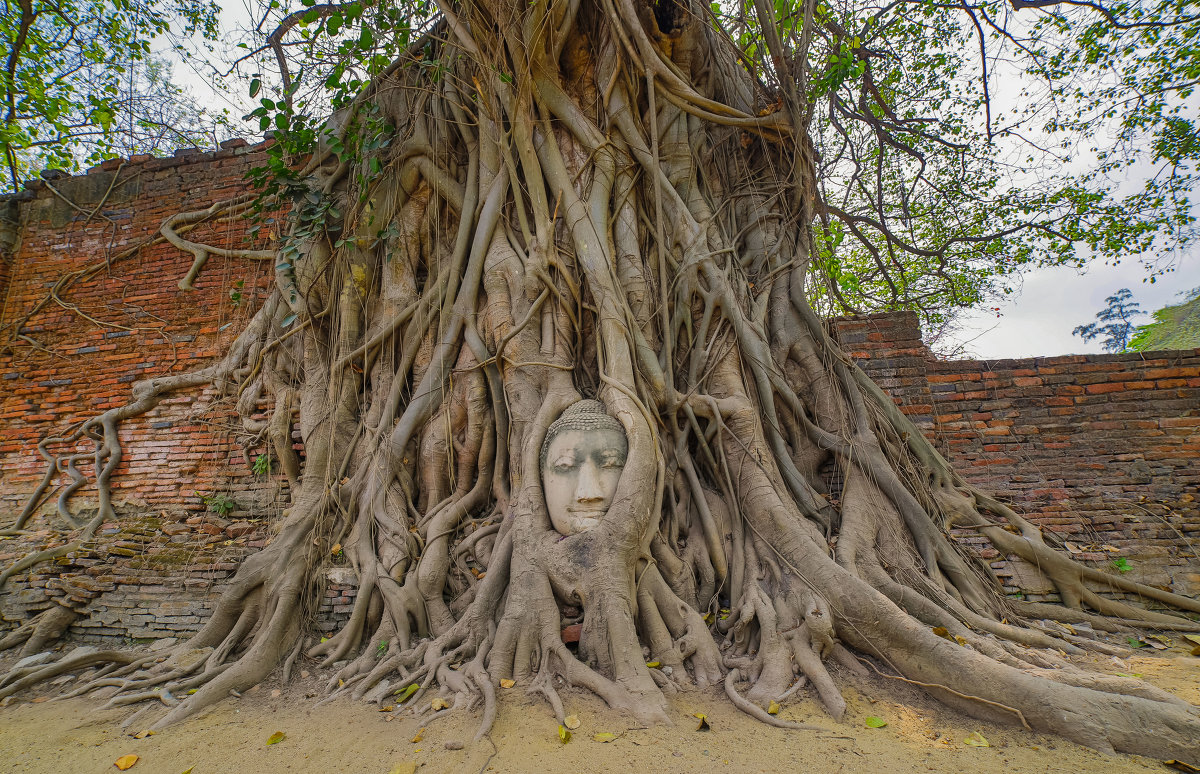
{"x": 78, "y": 353}
{"x": 1102, "y": 451}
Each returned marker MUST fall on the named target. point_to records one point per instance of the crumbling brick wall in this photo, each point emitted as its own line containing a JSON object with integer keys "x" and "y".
{"x": 1101, "y": 451}
{"x": 190, "y": 506}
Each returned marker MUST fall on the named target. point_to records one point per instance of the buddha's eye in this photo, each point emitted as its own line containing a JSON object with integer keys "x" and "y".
{"x": 564, "y": 467}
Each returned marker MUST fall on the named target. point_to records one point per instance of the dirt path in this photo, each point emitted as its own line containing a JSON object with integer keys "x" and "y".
{"x": 73, "y": 737}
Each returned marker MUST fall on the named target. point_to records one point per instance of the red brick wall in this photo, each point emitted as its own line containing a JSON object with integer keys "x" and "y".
{"x": 1102, "y": 451}
{"x": 79, "y": 355}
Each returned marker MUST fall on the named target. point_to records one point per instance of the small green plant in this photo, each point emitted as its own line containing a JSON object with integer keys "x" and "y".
{"x": 219, "y": 504}
{"x": 235, "y": 293}
{"x": 1122, "y": 565}
{"x": 262, "y": 465}
{"x": 382, "y": 649}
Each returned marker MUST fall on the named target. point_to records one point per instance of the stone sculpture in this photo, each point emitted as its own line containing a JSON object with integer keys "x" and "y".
{"x": 582, "y": 459}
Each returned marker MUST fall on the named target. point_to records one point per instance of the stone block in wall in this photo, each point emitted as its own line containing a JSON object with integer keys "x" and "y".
{"x": 1024, "y": 576}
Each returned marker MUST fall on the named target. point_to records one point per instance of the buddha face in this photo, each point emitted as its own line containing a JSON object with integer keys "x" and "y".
{"x": 580, "y": 475}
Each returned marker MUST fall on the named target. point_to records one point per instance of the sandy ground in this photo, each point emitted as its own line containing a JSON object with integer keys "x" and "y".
{"x": 41, "y": 736}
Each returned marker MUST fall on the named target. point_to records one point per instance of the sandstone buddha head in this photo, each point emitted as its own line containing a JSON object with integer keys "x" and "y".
{"x": 582, "y": 459}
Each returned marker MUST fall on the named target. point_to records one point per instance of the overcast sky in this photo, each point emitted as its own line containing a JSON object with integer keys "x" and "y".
{"x": 1039, "y": 319}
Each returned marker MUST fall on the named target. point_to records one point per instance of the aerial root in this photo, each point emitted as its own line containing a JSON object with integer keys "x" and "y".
{"x": 41, "y": 630}
{"x": 757, "y": 712}
{"x": 937, "y": 686}
{"x": 1123, "y": 686}
{"x": 23, "y": 678}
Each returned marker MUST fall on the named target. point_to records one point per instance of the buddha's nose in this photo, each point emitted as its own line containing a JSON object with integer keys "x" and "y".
{"x": 588, "y": 489}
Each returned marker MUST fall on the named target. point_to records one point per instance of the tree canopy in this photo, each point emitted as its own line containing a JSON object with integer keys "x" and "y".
{"x": 1176, "y": 326}
{"x": 954, "y": 144}
{"x": 80, "y": 82}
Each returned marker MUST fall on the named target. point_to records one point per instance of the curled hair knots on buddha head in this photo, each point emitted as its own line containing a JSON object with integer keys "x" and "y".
{"x": 581, "y": 415}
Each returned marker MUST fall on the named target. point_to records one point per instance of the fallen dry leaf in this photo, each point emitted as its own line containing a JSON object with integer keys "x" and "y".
{"x": 773, "y": 708}
{"x": 563, "y": 734}
{"x": 976, "y": 739}
{"x": 604, "y": 736}
{"x": 125, "y": 762}
{"x": 506, "y": 683}
{"x": 276, "y": 738}
{"x": 420, "y": 735}
{"x": 144, "y": 734}
{"x": 1181, "y": 766}
{"x": 439, "y": 704}
{"x": 704, "y": 726}
{"x": 404, "y": 767}
{"x": 571, "y": 722}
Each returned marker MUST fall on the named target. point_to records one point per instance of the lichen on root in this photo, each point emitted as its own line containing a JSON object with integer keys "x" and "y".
{"x": 586, "y": 205}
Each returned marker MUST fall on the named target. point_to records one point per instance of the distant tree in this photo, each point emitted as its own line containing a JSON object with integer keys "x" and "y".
{"x": 1174, "y": 327}
{"x": 78, "y": 79}
{"x": 1113, "y": 322}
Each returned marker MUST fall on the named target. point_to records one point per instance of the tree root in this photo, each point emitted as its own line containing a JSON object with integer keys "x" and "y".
{"x": 757, "y": 712}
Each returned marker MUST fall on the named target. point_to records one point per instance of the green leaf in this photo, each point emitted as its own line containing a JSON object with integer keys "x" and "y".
{"x": 276, "y": 738}
{"x": 406, "y": 693}
{"x": 255, "y": 86}
{"x": 874, "y": 722}
{"x": 291, "y": 318}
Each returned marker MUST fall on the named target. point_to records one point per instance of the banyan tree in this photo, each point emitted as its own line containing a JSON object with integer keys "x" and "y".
{"x": 543, "y": 320}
